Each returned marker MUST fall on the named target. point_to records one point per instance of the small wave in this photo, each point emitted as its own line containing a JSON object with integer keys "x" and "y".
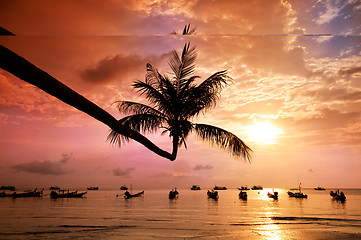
{"x": 76, "y": 228}
{"x": 80, "y": 226}
{"x": 302, "y": 220}
{"x": 47, "y": 232}
{"x": 315, "y": 219}
{"x": 97, "y": 226}
{"x": 259, "y": 224}
{"x": 57, "y": 217}
{"x": 158, "y": 220}
{"x": 215, "y": 224}
{"x": 35, "y": 233}
{"x": 246, "y": 224}
{"x": 72, "y": 217}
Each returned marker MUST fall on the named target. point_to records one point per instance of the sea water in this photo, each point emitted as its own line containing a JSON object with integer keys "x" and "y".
{"x": 103, "y": 215}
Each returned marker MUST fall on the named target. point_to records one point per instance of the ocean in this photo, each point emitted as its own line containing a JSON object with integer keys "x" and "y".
{"x": 102, "y": 215}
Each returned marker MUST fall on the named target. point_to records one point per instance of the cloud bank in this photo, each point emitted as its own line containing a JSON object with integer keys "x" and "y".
{"x": 123, "y": 172}
{"x": 203, "y": 167}
{"x": 45, "y": 167}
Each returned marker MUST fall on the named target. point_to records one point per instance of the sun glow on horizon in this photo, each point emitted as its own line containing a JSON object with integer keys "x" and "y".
{"x": 263, "y": 133}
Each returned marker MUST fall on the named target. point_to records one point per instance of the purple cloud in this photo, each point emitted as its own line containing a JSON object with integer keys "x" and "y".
{"x": 45, "y": 167}
{"x": 123, "y": 172}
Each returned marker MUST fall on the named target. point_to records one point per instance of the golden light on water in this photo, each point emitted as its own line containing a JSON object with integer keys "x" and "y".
{"x": 269, "y": 229}
{"x": 263, "y": 133}
{"x": 271, "y": 232}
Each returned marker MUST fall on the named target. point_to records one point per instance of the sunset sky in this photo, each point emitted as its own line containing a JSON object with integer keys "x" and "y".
{"x": 295, "y": 98}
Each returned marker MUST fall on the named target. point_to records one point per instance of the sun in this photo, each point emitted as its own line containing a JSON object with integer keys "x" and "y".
{"x": 263, "y": 133}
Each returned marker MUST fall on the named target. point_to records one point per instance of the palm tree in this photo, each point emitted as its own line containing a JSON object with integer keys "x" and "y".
{"x": 175, "y": 102}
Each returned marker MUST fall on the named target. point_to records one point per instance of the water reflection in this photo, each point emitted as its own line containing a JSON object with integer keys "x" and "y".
{"x": 132, "y": 202}
{"x": 338, "y": 204}
{"x": 212, "y": 202}
{"x": 173, "y": 203}
{"x": 212, "y": 206}
{"x": 243, "y": 203}
{"x": 272, "y": 232}
{"x": 270, "y": 229}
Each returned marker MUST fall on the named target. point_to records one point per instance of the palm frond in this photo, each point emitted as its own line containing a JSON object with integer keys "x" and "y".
{"x": 115, "y": 138}
{"x": 180, "y": 128}
{"x": 185, "y": 86}
{"x": 216, "y": 82}
{"x": 198, "y": 102}
{"x": 152, "y": 75}
{"x": 167, "y": 88}
{"x": 152, "y": 94}
{"x": 188, "y": 31}
{"x": 174, "y": 62}
{"x": 128, "y": 107}
{"x": 183, "y": 66}
{"x": 224, "y": 139}
{"x": 205, "y": 96}
{"x": 157, "y": 88}
{"x": 146, "y": 123}
{"x": 155, "y": 79}
{"x": 183, "y": 140}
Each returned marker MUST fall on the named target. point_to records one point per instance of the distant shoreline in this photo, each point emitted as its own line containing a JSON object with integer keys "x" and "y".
{"x": 184, "y": 188}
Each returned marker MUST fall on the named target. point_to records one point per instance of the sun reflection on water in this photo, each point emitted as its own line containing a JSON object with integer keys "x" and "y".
{"x": 269, "y": 229}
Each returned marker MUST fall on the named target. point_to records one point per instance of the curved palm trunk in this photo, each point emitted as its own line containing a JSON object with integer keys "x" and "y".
{"x": 175, "y": 147}
{"x": 21, "y": 68}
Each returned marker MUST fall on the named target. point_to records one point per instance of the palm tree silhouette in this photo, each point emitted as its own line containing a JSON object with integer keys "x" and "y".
{"x": 175, "y": 102}
{"x": 176, "y": 122}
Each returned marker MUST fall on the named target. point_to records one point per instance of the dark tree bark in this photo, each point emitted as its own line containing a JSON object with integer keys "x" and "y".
{"x": 4, "y": 32}
{"x": 23, "y": 69}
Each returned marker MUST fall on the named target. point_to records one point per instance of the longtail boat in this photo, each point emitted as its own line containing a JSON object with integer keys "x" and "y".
{"x": 243, "y": 195}
{"x": 212, "y": 194}
{"x": 173, "y": 194}
{"x": 127, "y": 194}
{"x": 33, "y": 193}
{"x": 64, "y": 194}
